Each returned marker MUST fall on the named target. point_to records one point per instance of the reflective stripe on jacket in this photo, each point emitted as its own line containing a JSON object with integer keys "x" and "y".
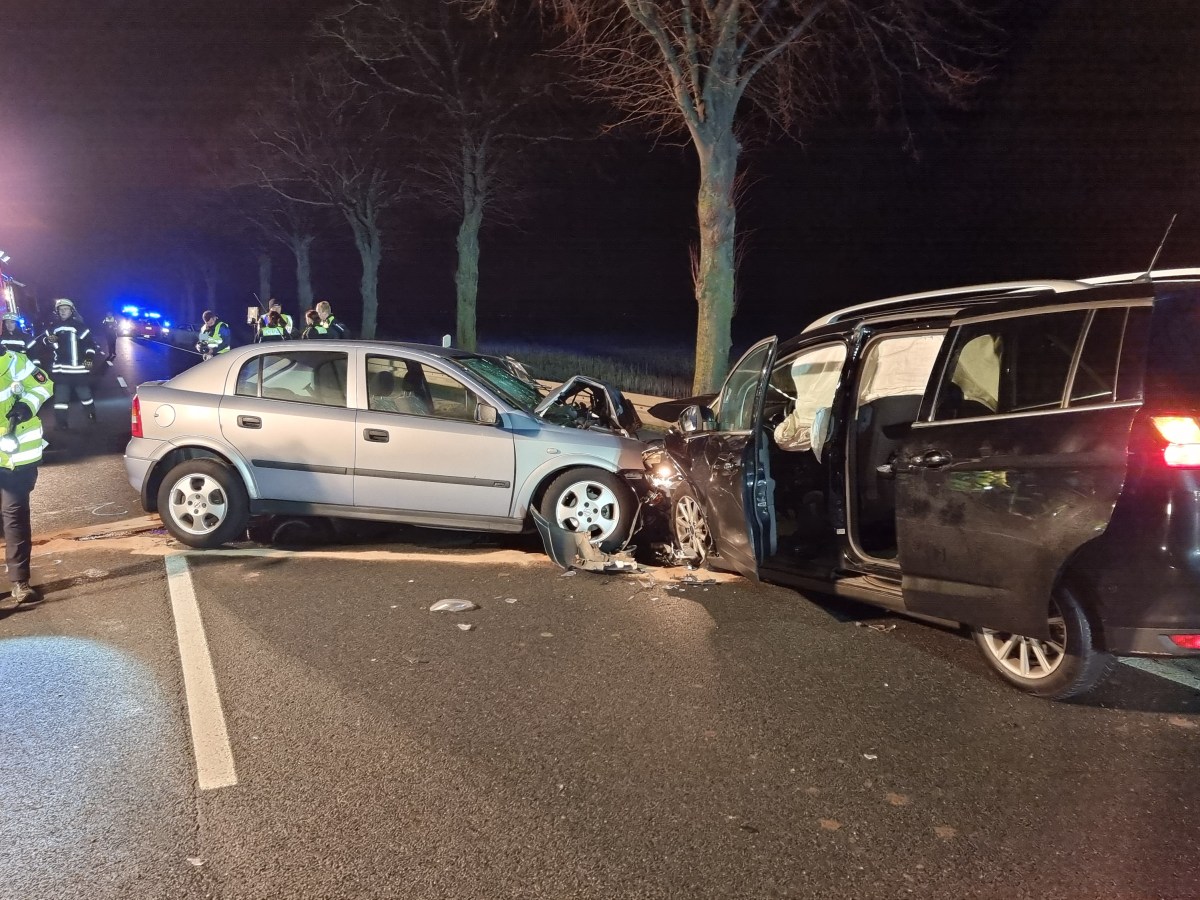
{"x": 216, "y": 340}
{"x": 23, "y": 382}
{"x": 269, "y": 333}
{"x": 73, "y": 346}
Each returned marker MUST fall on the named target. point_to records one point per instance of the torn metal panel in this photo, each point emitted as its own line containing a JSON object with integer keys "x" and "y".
{"x": 573, "y": 550}
{"x": 582, "y": 402}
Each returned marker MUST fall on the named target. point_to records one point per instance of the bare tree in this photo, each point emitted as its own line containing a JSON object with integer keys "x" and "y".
{"x": 283, "y": 221}
{"x": 698, "y": 66}
{"x": 480, "y": 88}
{"x": 321, "y": 140}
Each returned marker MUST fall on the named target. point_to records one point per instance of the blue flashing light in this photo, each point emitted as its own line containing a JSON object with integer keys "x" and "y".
{"x": 153, "y": 316}
{"x": 129, "y": 310}
{"x": 166, "y": 324}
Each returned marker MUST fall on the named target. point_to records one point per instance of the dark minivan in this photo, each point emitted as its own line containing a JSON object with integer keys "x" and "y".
{"x": 1021, "y": 458}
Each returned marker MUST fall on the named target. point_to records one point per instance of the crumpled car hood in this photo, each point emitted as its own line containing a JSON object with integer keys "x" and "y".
{"x": 582, "y": 402}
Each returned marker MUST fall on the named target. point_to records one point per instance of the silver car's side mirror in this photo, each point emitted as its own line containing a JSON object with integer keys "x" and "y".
{"x": 486, "y": 415}
{"x": 696, "y": 418}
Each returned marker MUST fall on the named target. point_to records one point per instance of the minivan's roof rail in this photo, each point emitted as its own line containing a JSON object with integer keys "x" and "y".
{"x": 998, "y": 290}
{"x": 1156, "y": 275}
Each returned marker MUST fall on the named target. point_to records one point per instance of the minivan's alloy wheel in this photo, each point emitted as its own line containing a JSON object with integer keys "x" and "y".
{"x": 592, "y": 501}
{"x": 689, "y": 526}
{"x": 1066, "y": 665}
{"x": 203, "y": 503}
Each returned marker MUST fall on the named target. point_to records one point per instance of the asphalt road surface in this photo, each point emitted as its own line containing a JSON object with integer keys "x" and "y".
{"x": 268, "y": 723}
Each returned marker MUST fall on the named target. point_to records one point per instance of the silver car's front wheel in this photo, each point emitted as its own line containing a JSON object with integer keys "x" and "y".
{"x": 591, "y": 501}
{"x": 203, "y": 503}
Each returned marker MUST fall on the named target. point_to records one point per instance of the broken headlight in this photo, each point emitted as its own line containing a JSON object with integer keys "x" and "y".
{"x": 661, "y": 471}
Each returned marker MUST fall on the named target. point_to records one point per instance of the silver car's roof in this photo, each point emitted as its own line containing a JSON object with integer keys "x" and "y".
{"x": 210, "y": 377}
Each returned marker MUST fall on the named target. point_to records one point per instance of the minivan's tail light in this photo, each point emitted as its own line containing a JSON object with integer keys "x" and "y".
{"x": 1187, "y": 641}
{"x": 136, "y": 422}
{"x": 1182, "y": 434}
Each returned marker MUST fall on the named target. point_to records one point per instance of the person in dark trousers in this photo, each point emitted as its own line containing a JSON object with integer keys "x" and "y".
{"x": 110, "y": 335}
{"x": 74, "y": 352}
{"x": 273, "y": 329}
{"x": 214, "y": 336}
{"x": 334, "y": 328}
{"x": 12, "y": 338}
{"x": 24, "y": 388}
{"x": 313, "y": 329}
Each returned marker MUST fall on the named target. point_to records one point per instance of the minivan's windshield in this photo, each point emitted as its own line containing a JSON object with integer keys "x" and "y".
{"x": 500, "y": 379}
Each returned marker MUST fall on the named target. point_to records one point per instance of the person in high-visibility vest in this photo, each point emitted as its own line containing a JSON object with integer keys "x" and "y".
{"x": 12, "y": 337}
{"x": 314, "y": 330}
{"x": 214, "y": 336}
{"x": 272, "y": 330}
{"x": 74, "y": 352}
{"x": 285, "y": 320}
{"x": 333, "y": 327}
{"x": 23, "y": 389}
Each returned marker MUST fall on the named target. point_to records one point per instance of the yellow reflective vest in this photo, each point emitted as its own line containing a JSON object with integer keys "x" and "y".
{"x": 23, "y": 382}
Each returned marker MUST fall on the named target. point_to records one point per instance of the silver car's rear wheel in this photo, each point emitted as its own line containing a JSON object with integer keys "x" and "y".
{"x": 592, "y": 501}
{"x": 203, "y": 503}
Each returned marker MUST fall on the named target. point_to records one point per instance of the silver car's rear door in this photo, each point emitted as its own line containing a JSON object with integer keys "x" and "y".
{"x": 419, "y": 448}
{"x": 289, "y": 418}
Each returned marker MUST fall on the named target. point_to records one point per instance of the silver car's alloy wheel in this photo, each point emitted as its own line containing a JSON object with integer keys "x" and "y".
{"x": 691, "y": 528}
{"x": 198, "y": 504}
{"x": 589, "y": 506}
{"x": 1028, "y": 657}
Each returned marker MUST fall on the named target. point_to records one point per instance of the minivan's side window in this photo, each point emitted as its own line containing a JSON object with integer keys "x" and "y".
{"x": 735, "y": 407}
{"x": 300, "y": 376}
{"x": 810, "y": 378}
{"x": 1010, "y": 365}
{"x": 1132, "y": 369}
{"x": 1096, "y": 375}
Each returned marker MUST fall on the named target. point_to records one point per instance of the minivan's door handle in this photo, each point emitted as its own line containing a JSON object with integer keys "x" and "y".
{"x": 249, "y": 422}
{"x": 932, "y": 459}
{"x": 376, "y": 435}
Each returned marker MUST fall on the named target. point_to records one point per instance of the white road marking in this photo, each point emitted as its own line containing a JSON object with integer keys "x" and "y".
{"x": 1164, "y": 670}
{"x": 210, "y": 740}
{"x": 121, "y": 382}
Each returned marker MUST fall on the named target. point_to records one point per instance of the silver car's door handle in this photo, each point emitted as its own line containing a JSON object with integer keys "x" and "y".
{"x": 375, "y": 435}
{"x": 249, "y": 422}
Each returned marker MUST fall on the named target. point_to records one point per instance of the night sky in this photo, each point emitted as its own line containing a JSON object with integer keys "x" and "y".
{"x": 1071, "y": 164}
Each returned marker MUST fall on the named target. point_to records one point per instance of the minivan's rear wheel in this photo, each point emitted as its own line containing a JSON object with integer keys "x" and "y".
{"x": 689, "y": 526}
{"x": 1067, "y": 665}
{"x": 594, "y": 501}
{"x": 203, "y": 503}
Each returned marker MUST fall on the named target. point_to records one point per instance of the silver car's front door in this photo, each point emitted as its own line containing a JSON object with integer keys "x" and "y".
{"x": 420, "y": 449}
{"x": 289, "y": 418}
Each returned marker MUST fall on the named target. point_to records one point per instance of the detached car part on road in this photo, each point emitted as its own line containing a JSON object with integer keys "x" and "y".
{"x": 381, "y": 431}
{"x": 1022, "y": 458}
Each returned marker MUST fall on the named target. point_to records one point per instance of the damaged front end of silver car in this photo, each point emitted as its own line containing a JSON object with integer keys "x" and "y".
{"x": 583, "y": 402}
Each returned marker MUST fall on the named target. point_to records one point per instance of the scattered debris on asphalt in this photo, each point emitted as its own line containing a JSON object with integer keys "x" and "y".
{"x": 870, "y": 756}
{"x": 465, "y": 626}
{"x": 453, "y": 606}
{"x": 510, "y": 599}
{"x": 690, "y": 579}
{"x": 883, "y": 627}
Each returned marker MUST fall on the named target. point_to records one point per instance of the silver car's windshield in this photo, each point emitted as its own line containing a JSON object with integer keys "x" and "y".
{"x": 497, "y": 376}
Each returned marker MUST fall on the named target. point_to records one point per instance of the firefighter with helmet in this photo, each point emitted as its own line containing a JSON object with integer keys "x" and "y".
{"x": 12, "y": 336}
{"x": 24, "y": 388}
{"x": 74, "y": 352}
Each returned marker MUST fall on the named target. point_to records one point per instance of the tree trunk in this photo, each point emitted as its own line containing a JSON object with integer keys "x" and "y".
{"x": 715, "y": 278}
{"x": 304, "y": 289}
{"x": 369, "y": 241}
{"x": 466, "y": 277}
{"x": 264, "y": 277}
{"x": 189, "y": 295}
{"x": 210, "y": 286}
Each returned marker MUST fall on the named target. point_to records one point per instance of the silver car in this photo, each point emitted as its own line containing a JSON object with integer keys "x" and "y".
{"x": 374, "y": 430}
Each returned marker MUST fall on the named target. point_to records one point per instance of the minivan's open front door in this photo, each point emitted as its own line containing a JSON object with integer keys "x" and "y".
{"x": 732, "y": 468}
{"x": 1016, "y": 462}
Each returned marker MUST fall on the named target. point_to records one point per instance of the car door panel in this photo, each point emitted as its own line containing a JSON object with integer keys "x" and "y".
{"x": 302, "y": 452}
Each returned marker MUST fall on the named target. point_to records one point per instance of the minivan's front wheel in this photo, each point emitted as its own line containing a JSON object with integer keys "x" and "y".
{"x": 689, "y": 526}
{"x": 1067, "y": 665}
{"x": 594, "y": 501}
{"x": 203, "y": 503}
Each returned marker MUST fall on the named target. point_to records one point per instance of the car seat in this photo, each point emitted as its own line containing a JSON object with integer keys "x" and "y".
{"x": 383, "y": 383}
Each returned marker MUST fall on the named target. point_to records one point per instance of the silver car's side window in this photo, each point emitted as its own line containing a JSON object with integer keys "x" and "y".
{"x": 300, "y": 377}
{"x": 406, "y": 386}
